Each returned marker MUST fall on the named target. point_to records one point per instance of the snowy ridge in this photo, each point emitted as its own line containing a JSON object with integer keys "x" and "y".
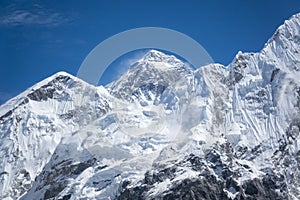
{"x": 162, "y": 130}
{"x": 12, "y": 103}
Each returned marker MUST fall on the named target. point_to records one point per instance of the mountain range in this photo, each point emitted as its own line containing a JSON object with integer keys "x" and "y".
{"x": 161, "y": 130}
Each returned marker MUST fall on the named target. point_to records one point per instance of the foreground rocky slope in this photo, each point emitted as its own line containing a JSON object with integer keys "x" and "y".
{"x": 213, "y": 133}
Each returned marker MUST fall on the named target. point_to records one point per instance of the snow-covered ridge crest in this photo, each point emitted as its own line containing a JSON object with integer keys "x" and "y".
{"x": 12, "y": 103}
{"x": 157, "y": 56}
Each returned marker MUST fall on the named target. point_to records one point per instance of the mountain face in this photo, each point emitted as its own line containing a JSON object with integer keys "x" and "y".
{"x": 161, "y": 131}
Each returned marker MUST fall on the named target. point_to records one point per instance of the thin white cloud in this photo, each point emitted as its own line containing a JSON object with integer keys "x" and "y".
{"x": 129, "y": 60}
{"x": 38, "y": 15}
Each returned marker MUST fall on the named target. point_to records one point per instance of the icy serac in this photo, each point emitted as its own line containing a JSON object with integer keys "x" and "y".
{"x": 161, "y": 131}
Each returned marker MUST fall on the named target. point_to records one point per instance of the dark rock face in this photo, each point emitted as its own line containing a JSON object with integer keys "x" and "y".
{"x": 207, "y": 185}
{"x": 55, "y": 178}
{"x": 48, "y": 90}
{"x": 42, "y": 94}
{"x": 274, "y": 73}
{"x": 8, "y": 114}
{"x": 148, "y": 89}
{"x": 237, "y": 72}
{"x": 264, "y": 188}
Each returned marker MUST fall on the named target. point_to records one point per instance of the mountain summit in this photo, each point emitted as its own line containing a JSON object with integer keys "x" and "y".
{"x": 149, "y": 77}
{"x": 161, "y": 131}
{"x": 157, "y": 56}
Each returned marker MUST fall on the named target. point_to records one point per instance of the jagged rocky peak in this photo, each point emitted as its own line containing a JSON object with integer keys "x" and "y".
{"x": 39, "y": 92}
{"x": 282, "y": 49}
{"x": 157, "y": 56}
{"x": 60, "y": 77}
{"x": 49, "y": 87}
{"x": 149, "y": 77}
{"x": 162, "y": 62}
{"x": 289, "y": 30}
{"x": 280, "y": 54}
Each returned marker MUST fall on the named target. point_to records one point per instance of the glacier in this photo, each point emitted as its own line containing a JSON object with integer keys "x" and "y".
{"x": 161, "y": 131}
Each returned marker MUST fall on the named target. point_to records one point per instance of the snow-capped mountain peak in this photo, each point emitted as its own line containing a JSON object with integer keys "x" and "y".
{"x": 157, "y": 56}
{"x": 39, "y": 90}
{"x": 33, "y": 123}
{"x": 288, "y": 30}
{"x": 153, "y": 73}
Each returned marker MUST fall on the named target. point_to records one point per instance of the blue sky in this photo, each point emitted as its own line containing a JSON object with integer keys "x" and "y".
{"x": 39, "y": 38}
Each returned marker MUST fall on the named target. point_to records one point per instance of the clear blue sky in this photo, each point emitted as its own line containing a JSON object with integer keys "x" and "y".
{"x": 39, "y": 38}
